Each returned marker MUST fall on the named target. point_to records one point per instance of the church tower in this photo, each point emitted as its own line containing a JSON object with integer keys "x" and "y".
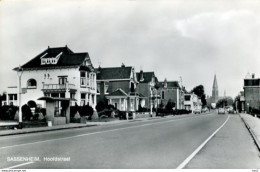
{"x": 215, "y": 90}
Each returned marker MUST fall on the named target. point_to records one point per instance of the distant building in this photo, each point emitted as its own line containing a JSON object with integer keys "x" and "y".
{"x": 251, "y": 92}
{"x": 172, "y": 90}
{"x": 215, "y": 96}
{"x": 192, "y": 101}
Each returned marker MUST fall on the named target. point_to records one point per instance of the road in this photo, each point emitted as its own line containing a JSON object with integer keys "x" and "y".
{"x": 188, "y": 141}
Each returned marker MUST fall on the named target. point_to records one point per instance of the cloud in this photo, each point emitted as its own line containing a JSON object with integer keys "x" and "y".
{"x": 219, "y": 28}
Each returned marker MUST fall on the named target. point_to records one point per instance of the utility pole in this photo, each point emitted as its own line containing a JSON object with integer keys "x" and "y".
{"x": 20, "y": 72}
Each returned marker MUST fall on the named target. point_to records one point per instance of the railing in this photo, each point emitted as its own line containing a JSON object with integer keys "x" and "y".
{"x": 58, "y": 86}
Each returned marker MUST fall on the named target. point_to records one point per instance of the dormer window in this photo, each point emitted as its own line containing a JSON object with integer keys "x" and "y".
{"x": 31, "y": 83}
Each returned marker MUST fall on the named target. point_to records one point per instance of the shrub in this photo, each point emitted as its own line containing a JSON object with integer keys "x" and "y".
{"x": 170, "y": 104}
{"x": 8, "y": 112}
{"x": 32, "y": 104}
{"x": 26, "y": 111}
{"x": 86, "y": 111}
{"x": 100, "y": 106}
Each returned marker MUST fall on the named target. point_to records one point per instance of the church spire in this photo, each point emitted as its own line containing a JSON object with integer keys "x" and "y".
{"x": 215, "y": 89}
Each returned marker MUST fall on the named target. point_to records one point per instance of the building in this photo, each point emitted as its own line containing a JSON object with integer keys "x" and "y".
{"x": 172, "y": 90}
{"x": 118, "y": 86}
{"x": 147, "y": 82}
{"x": 240, "y": 102}
{"x": 215, "y": 96}
{"x": 11, "y": 97}
{"x": 57, "y": 73}
{"x": 251, "y": 92}
{"x": 192, "y": 101}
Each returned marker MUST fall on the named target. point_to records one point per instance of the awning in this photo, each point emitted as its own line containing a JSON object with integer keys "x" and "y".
{"x": 56, "y": 99}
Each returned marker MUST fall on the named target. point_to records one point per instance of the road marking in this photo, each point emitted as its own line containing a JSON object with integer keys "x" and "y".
{"x": 19, "y": 165}
{"x": 189, "y": 158}
{"x": 98, "y": 132}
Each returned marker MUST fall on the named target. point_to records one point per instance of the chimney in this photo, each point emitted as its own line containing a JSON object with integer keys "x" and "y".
{"x": 253, "y": 76}
{"x": 165, "y": 83}
{"x": 99, "y": 69}
{"x": 123, "y": 65}
{"x": 141, "y": 75}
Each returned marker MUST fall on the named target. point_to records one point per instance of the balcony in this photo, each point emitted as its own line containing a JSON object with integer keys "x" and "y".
{"x": 59, "y": 87}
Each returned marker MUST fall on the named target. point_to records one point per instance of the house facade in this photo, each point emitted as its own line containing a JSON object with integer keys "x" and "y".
{"x": 191, "y": 102}
{"x": 118, "y": 86}
{"x": 251, "y": 92}
{"x": 147, "y": 88}
{"x": 172, "y": 90}
{"x": 58, "y": 73}
{"x": 11, "y": 96}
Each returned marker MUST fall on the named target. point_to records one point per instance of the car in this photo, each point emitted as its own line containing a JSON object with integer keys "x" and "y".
{"x": 231, "y": 111}
{"x": 197, "y": 110}
{"x": 221, "y": 111}
{"x": 204, "y": 110}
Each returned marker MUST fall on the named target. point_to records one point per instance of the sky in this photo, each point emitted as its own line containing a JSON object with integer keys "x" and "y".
{"x": 187, "y": 40}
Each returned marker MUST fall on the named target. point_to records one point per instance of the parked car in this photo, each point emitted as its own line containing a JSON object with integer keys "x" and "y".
{"x": 204, "y": 110}
{"x": 231, "y": 111}
{"x": 221, "y": 111}
{"x": 197, "y": 110}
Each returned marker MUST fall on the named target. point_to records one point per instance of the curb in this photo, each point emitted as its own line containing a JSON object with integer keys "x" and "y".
{"x": 252, "y": 133}
{"x": 45, "y": 129}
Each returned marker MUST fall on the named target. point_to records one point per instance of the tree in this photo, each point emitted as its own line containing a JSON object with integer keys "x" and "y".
{"x": 227, "y": 101}
{"x": 203, "y": 100}
{"x": 198, "y": 90}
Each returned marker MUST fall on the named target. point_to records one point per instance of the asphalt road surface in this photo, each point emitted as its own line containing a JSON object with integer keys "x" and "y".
{"x": 188, "y": 141}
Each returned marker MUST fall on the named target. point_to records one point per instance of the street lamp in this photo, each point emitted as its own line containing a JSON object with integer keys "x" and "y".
{"x": 19, "y": 73}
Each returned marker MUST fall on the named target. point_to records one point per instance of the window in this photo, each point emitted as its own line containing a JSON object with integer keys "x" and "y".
{"x": 98, "y": 88}
{"x": 31, "y": 83}
{"x": 62, "y": 80}
{"x": 83, "y": 99}
{"x": 72, "y": 95}
{"x": 57, "y": 109}
{"x": 106, "y": 88}
{"x": 47, "y": 94}
{"x": 12, "y": 96}
{"x": 62, "y": 95}
{"x": 132, "y": 89}
{"x": 83, "y": 79}
{"x": 187, "y": 97}
{"x": 162, "y": 94}
{"x": 54, "y": 94}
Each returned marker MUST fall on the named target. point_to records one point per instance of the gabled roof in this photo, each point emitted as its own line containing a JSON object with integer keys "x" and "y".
{"x": 113, "y": 73}
{"x": 118, "y": 92}
{"x": 170, "y": 84}
{"x": 64, "y": 58}
{"x": 147, "y": 76}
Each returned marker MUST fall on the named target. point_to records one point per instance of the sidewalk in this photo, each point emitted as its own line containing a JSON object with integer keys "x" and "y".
{"x": 62, "y": 127}
{"x": 253, "y": 125}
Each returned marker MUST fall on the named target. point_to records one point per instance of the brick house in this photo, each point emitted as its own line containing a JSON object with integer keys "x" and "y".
{"x": 118, "y": 86}
{"x": 251, "y": 92}
{"x": 147, "y": 88}
{"x": 172, "y": 90}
